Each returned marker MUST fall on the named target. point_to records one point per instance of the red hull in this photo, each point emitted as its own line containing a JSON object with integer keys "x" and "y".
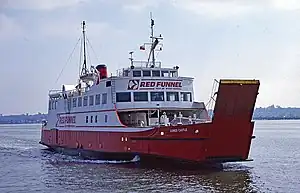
{"x": 227, "y": 138}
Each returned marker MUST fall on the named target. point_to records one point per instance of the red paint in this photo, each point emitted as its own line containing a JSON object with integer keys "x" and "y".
{"x": 227, "y": 136}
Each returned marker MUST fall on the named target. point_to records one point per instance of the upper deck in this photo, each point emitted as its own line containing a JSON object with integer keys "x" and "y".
{"x": 143, "y": 69}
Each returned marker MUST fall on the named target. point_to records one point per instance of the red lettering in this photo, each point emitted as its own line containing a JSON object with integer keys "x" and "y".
{"x": 152, "y": 84}
{"x": 142, "y": 84}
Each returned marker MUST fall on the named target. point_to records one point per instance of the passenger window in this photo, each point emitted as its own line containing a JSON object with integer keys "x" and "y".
{"x": 74, "y": 102}
{"x": 85, "y": 101}
{"x": 91, "y": 100}
{"x": 97, "y": 102}
{"x": 186, "y": 96}
{"x": 140, "y": 96}
{"x": 123, "y": 97}
{"x": 104, "y": 98}
{"x": 157, "y": 96}
{"x": 79, "y": 101}
{"x": 172, "y": 96}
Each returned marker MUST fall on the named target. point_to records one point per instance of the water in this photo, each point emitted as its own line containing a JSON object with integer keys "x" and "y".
{"x": 26, "y": 167}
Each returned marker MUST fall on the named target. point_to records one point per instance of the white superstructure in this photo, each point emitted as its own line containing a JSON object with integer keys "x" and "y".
{"x": 144, "y": 95}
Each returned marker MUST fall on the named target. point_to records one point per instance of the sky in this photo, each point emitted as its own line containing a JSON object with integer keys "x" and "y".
{"x": 207, "y": 39}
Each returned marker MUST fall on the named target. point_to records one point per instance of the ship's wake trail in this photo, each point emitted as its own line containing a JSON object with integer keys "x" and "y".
{"x": 77, "y": 159}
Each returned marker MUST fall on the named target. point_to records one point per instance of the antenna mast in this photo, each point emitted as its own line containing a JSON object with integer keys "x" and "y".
{"x": 154, "y": 42}
{"x": 84, "y": 69}
{"x": 152, "y": 38}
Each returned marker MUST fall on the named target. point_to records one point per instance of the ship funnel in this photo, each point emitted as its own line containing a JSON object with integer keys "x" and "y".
{"x": 102, "y": 71}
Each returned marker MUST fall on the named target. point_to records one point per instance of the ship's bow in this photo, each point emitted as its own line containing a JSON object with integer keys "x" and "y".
{"x": 232, "y": 125}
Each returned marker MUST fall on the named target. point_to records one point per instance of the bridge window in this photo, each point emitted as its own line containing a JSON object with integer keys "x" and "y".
{"x": 157, "y": 96}
{"x": 164, "y": 73}
{"x": 140, "y": 96}
{"x": 186, "y": 96}
{"x": 123, "y": 97}
{"x": 137, "y": 73}
{"x": 86, "y": 119}
{"x": 91, "y": 100}
{"x": 172, "y": 96}
{"x": 49, "y": 105}
{"x": 79, "y": 101}
{"x": 105, "y": 118}
{"x": 97, "y": 101}
{"x": 91, "y": 119}
{"x": 96, "y": 118}
{"x": 146, "y": 73}
{"x": 85, "y": 101}
{"x": 74, "y": 102}
{"x": 104, "y": 98}
{"x": 172, "y": 73}
{"x": 156, "y": 73}
{"x": 125, "y": 73}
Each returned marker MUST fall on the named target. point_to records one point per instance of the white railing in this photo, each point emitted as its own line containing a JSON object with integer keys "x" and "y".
{"x": 69, "y": 93}
{"x": 144, "y": 64}
{"x": 138, "y": 64}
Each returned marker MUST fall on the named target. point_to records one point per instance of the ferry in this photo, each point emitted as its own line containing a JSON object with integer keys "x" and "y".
{"x": 147, "y": 110}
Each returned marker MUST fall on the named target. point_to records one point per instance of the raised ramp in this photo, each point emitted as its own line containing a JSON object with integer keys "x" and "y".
{"x": 236, "y": 100}
{"x": 232, "y": 128}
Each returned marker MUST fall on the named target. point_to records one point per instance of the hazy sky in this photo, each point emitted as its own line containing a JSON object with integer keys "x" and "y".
{"x": 207, "y": 38}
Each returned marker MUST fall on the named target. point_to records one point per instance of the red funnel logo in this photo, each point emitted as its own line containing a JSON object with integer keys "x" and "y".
{"x": 133, "y": 84}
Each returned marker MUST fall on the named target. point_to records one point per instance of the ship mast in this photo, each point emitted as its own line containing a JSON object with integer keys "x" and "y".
{"x": 154, "y": 43}
{"x": 84, "y": 70}
{"x": 152, "y": 38}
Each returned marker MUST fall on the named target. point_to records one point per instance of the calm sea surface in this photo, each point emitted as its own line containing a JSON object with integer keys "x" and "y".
{"x": 26, "y": 167}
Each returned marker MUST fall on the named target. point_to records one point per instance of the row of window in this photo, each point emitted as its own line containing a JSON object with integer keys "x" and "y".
{"x": 126, "y": 97}
{"x": 154, "y": 96}
{"x": 153, "y": 73}
{"x": 92, "y": 120}
{"x": 90, "y": 100}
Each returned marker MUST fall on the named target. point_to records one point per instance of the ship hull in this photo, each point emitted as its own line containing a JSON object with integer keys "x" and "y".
{"x": 190, "y": 143}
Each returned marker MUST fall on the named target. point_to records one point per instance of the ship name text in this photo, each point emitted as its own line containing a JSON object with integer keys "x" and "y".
{"x": 178, "y": 130}
{"x": 67, "y": 119}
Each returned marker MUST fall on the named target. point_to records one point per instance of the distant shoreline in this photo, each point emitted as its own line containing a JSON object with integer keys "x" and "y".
{"x": 269, "y": 113}
{"x": 256, "y": 119}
